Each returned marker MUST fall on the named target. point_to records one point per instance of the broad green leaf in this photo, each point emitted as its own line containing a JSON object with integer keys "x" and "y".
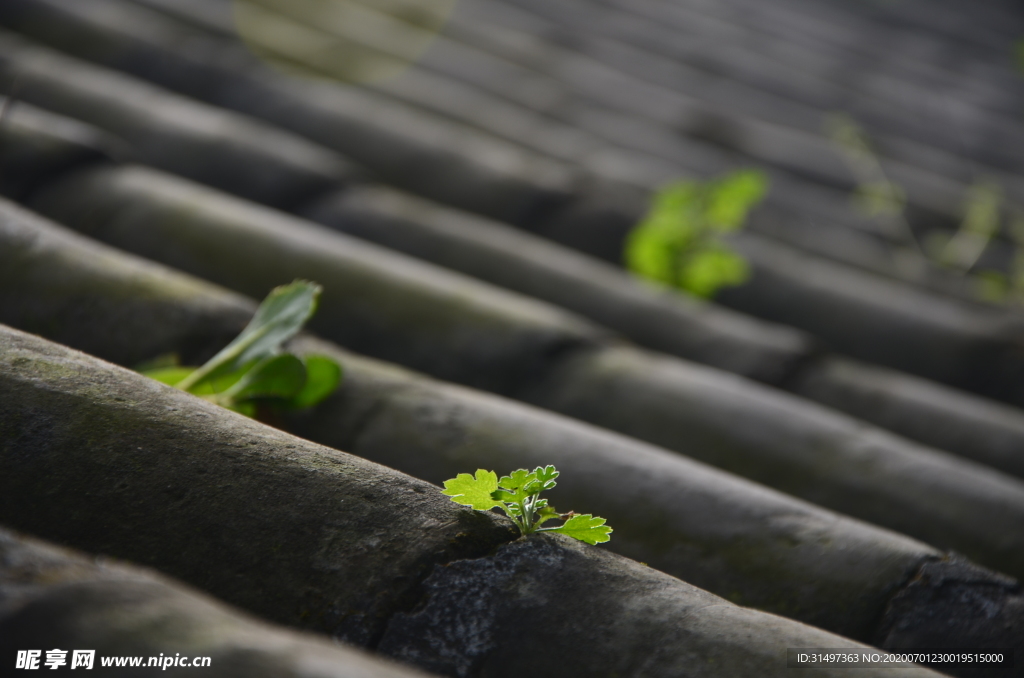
{"x": 173, "y": 376}
{"x": 323, "y": 375}
{"x": 280, "y": 316}
{"x": 169, "y": 375}
{"x": 472, "y": 491}
{"x": 585, "y": 528}
{"x": 253, "y": 367}
{"x": 281, "y": 376}
{"x": 218, "y": 384}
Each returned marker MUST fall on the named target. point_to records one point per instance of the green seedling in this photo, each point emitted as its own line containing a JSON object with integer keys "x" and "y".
{"x": 958, "y": 252}
{"x": 518, "y": 496}
{"x": 254, "y": 369}
{"x": 680, "y": 243}
{"x": 999, "y": 287}
{"x": 875, "y": 196}
{"x": 981, "y": 223}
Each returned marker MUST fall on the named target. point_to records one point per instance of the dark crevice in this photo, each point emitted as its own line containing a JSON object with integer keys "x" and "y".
{"x": 416, "y": 596}
{"x": 952, "y": 604}
{"x": 468, "y": 544}
{"x": 884, "y": 616}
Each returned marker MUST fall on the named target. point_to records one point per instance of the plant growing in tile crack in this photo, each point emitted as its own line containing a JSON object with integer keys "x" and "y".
{"x": 518, "y": 496}
{"x": 254, "y": 369}
{"x": 680, "y": 243}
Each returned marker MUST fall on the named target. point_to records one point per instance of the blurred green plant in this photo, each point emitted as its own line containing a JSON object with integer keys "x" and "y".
{"x": 680, "y": 243}
{"x": 254, "y": 369}
{"x": 982, "y": 215}
{"x": 1006, "y": 287}
{"x": 960, "y": 251}
{"x": 875, "y": 195}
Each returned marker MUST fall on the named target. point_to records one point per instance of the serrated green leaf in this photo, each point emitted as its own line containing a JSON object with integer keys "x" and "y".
{"x": 280, "y": 317}
{"x": 586, "y": 528}
{"x": 473, "y": 491}
{"x": 546, "y": 477}
{"x": 517, "y": 480}
{"x": 323, "y": 375}
{"x": 281, "y": 376}
{"x": 518, "y": 486}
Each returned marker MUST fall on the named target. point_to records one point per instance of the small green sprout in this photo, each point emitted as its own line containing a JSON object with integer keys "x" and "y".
{"x": 680, "y": 241}
{"x": 958, "y": 252}
{"x": 999, "y": 287}
{"x": 875, "y": 196}
{"x": 518, "y": 495}
{"x": 981, "y": 223}
{"x": 254, "y": 369}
